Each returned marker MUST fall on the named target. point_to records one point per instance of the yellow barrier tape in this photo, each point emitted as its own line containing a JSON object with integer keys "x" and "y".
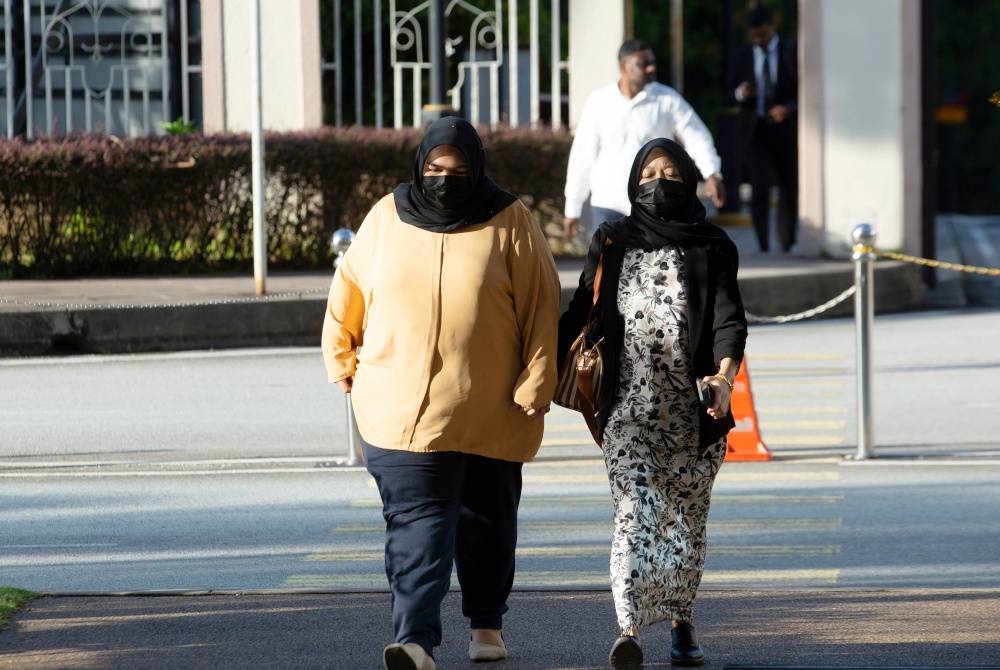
{"x": 942, "y": 265}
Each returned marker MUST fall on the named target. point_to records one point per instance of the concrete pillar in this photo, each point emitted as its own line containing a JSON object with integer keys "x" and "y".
{"x": 596, "y": 30}
{"x": 860, "y": 114}
{"x": 810, "y": 52}
{"x": 291, "y": 67}
{"x": 213, "y": 81}
{"x": 913, "y": 174}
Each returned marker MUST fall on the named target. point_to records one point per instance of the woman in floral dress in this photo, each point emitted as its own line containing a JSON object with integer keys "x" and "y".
{"x": 672, "y": 318}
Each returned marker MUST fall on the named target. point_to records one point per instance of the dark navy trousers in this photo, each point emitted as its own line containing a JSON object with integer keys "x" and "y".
{"x": 443, "y": 509}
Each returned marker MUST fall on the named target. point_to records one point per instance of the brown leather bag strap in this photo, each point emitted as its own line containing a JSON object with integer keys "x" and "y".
{"x": 599, "y": 274}
{"x": 585, "y": 385}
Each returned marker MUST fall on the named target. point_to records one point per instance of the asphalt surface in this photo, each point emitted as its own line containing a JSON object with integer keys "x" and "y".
{"x": 814, "y": 627}
{"x": 544, "y": 630}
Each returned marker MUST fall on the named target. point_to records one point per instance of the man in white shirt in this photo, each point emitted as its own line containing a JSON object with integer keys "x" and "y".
{"x": 616, "y": 121}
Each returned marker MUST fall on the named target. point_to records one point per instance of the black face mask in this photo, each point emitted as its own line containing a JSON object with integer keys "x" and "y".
{"x": 447, "y": 192}
{"x": 661, "y": 197}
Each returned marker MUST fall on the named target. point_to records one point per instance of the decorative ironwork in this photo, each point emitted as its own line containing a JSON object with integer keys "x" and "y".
{"x": 103, "y": 66}
{"x": 483, "y": 35}
{"x": 7, "y": 69}
{"x": 409, "y": 52}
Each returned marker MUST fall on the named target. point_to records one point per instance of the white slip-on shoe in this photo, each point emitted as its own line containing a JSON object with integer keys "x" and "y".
{"x": 408, "y": 656}
{"x": 483, "y": 651}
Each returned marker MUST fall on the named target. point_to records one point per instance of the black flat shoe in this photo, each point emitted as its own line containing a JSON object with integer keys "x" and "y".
{"x": 626, "y": 653}
{"x": 684, "y": 649}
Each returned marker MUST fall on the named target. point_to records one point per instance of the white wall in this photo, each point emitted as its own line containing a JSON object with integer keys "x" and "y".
{"x": 867, "y": 107}
{"x": 596, "y": 30}
{"x": 290, "y": 64}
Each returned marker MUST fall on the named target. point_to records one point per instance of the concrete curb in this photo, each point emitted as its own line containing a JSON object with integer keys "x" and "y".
{"x": 297, "y": 320}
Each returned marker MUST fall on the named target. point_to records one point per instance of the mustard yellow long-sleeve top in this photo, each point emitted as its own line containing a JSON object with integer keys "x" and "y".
{"x": 444, "y": 332}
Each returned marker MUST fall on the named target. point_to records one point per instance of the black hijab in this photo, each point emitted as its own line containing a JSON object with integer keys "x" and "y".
{"x": 686, "y": 226}
{"x": 487, "y": 198}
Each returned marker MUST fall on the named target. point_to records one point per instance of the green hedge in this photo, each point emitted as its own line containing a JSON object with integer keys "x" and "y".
{"x": 100, "y": 205}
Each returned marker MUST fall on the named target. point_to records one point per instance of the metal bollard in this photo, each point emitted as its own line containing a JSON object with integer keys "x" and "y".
{"x": 339, "y": 244}
{"x": 863, "y": 238}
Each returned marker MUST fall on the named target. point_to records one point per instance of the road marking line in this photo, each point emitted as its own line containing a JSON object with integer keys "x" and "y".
{"x": 366, "y": 504}
{"x": 780, "y": 524}
{"x": 721, "y": 525}
{"x": 579, "y": 427}
{"x": 776, "y": 550}
{"x": 565, "y": 479}
{"x": 797, "y": 394}
{"x": 562, "y": 467}
{"x": 605, "y": 500}
{"x": 796, "y": 357}
{"x": 798, "y": 384}
{"x": 729, "y": 577}
{"x": 723, "y": 476}
{"x": 61, "y": 546}
{"x": 805, "y": 424}
{"x": 778, "y": 499}
{"x": 568, "y": 441}
{"x": 804, "y": 376}
{"x": 574, "y": 578}
{"x": 805, "y": 440}
{"x": 165, "y": 464}
{"x": 591, "y": 551}
{"x": 135, "y": 555}
{"x": 101, "y": 359}
{"x": 179, "y": 473}
{"x": 803, "y": 476}
{"x": 787, "y": 409}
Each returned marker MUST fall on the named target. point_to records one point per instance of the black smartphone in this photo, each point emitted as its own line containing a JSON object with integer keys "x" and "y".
{"x": 705, "y": 394}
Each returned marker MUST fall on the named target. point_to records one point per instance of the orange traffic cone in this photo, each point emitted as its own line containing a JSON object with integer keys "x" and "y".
{"x": 744, "y": 442}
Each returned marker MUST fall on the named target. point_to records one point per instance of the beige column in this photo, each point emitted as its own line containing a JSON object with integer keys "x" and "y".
{"x": 913, "y": 173}
{"x": 810, "y": 149}
{"x": 596, "y": 30}
{"x": 213, "y": 82}
{"x": 312, "y": 65}
{"x": 870, "y": 115}
{"x": 290, "y": 64}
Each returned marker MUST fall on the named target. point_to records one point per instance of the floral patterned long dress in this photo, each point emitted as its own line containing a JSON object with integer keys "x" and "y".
{"x": 661, "y": 481}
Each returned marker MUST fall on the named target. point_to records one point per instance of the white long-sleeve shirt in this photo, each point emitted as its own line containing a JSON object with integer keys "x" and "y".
{"x": 611, "y": 131}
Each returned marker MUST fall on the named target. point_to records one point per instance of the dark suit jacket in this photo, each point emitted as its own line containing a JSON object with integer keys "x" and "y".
{"x": 716, "y": 320}
{"x": 786, "y": 87}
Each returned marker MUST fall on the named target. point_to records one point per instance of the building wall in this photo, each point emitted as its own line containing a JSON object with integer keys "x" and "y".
{"x": 290, "y": 64}
{"x": 859, "y": 120}
{"x": 596, "y": 30}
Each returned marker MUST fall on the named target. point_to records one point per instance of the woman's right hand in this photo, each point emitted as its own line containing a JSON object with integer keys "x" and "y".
{"x": 721, "y": 397}
{"x": 346, "y": 384}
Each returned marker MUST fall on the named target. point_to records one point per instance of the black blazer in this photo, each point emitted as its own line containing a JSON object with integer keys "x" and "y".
{"x": 717, "y": 322}
{"x": 786, "y": 87}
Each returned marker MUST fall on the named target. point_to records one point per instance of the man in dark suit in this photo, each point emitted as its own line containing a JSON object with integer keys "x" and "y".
{"x": 765, "y": 85}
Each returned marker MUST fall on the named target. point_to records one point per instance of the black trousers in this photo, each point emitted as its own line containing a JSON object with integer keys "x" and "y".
{"x": 442, "y": 509}
{"x": 771, "y": 159}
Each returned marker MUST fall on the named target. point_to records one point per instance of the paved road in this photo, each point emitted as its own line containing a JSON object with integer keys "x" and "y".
{"x": 211, "y": 471}
{"x": 776, "y": 525}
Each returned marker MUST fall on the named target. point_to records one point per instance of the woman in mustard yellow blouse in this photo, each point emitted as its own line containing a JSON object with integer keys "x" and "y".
{"x": 442, "y": 322}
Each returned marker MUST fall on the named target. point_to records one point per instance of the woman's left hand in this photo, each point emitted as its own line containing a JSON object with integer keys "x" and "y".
{"x": 721, "y": 395}
{"x": 531, "y": 411}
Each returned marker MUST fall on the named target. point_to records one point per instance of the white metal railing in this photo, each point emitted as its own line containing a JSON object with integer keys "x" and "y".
{"x": 191, "y": 68}
{"x": 97, "y": 65}
{"x": 7, "y": 68}
{"x": 478, "y": 90}
{"x": 123, "y": 49}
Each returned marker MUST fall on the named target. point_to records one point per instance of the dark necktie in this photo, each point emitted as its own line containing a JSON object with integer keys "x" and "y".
{"x": 768, "y": 83}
